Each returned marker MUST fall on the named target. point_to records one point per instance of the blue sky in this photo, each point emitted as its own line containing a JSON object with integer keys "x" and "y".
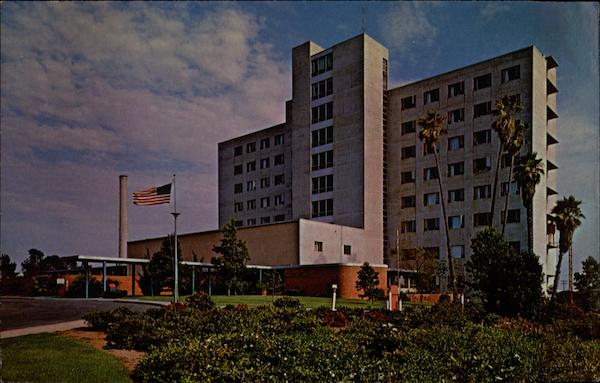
{"x": 94, "y": 90}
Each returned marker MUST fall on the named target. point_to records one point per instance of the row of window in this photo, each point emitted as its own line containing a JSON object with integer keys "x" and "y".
{"x": 322, "y": 160}
{"x": 458, "y": 195}
{"x": 458, "y": 88}
{"x": 265, "y": 143}
{"x": 454, "y": 143}
{"x": 265, "y": 202}
{"x": 319, "y": 248}
{"x": 322, "y": 136}
{"x": 322, "y": 88}
{"x": 322, "y": 64}
{"x": 458, "y": 221}
{"x": 322, "y": 112}
{"x": 457, "y": 251}
{"x": 480, "y": 165}
{"x": 265, "y": 182}
{"x": 322, "y": 184}
{"x": 263, "y": 220}
{"x": 265, "y": 163}
{"x": 322, "y": 208}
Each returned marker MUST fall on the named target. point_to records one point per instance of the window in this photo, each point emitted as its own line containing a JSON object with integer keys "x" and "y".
{"x": 431, "y": 96}
{"x": 408, "y": 226}
{"x": 318, "y": 246}
{"x": 279, "y": 179}
{"x": 251, "y": 222}
{"x": 265, "y": 182}
{"x": 264, "y": 163}
{"x": 265, "y": 220}
{"x": 429, "y": 149}
{"x": 482, "y": 219}
{"x": 455, "y": 143}
{"x": 251, "y": 166}
{"x": 409, "y": 102}
{"x": 456, "y": 169}
{"x": 482, "y": 137}
{"x": 238, "y": 206}
{"x": 251, "y": 185}
{"x": 407, "y": 177}
{"x": 408, "y": 152}
{"x": 322, "y": 160}
{"x": 455, "y": 116}
{"x": 322, "y": 112}
{"x": 278, "y": 140}
{"x": 322, "y": 208}
{"x": 279, "y": 200}
{"x": 512, "y": 73}
{"x": 456, "y": 222}
{"x": 279, "y": 218}
{"x": 322, "y": 184}
{"x": 457, "y": 251}
{"x": 514, "y": 216}
{"x": 482, "y": 109}
{"x": 430, "y": 199}
{"x": 238, "y": 188}
{"x": 481, "y": 165}
{"x": 278, "y": 159}
{"x": 482, "y": 192}
{"x": 431, "y": 224}
{"x": 481, "y": 82}
{"x": 408, "y": 127}
{"x": 238, "y": 169}
{"x": 347, "y": 250}
{"x": 322, "y": 88}
{"x": 514, "y": 188}
{"x": 251, "y": 205}
{"x": 456, "y": 89}
{"x": 237, "y": 151}
{"x": 456, "y": 195}
{"x": 251, "y": 147}
{"x": 265, "y": 202}
{"x": 239, "y": 223}
{"x": 505, "y": 162}
{"x": 265, "y": 143}
{"x": 430, "y": 174}
{"x": 322, "y": 64}
{"x": 409, "y": 201}
{"x": 322, "y": 136}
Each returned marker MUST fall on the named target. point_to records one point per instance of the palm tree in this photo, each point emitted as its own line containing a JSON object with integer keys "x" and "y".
{"x": 568, "y": 218}
{"x": 513, "y": 147}
{"x": 505, "y": 126}
{"x": 528, "y": 173}
{"x": 432, "y": 129}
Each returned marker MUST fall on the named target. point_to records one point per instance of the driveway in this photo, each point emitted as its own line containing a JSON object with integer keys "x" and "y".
{"x": 18, "y": 313}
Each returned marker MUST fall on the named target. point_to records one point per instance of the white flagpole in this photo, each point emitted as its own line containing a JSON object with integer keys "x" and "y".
{"x": 176, "y": 256}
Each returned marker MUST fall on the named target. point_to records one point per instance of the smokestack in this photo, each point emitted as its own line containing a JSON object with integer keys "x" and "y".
{"x": 123, "y": 216}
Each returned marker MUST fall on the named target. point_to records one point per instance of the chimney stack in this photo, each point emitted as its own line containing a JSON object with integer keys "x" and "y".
{"x": 123, "y": 216}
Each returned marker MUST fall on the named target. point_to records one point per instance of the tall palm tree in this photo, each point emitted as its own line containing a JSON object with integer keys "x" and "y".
{"x": 528, "y": 173}
{"x": 513, "y": 147}
{"x": 568, "y": 218}
{"x": 505, "y": 127}
{"x": 432, "y": 129}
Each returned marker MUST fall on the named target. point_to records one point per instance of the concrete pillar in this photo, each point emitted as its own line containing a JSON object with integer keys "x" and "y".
{"x": 193, "y": 279}
{"x": 123, "y": 198}
{"x": 133, "y": 279}
{"x": 104, "y": 276}
{"x": 86, "y": 281}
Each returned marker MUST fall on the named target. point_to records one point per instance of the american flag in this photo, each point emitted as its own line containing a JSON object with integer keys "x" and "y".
{"x": 153, "y": 196}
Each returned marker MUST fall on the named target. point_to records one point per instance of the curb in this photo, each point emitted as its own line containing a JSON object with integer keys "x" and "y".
{"x": 55, "y": 327}
{"x": 116, "y": 300}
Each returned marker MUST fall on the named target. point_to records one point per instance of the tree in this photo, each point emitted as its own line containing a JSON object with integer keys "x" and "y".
{"x": 368, "y": 282}
{"x": 32, "y": 265}
{"x": 568, "y": 218}
{"x": 587, "y": 283}
{"x": 505, "y": 126}
{"x": 425, "y": 266}
{"x": 528, "y": 173}
{"x": 231, "y": 265}
{"x": 159, "y": 273}
{"x": 432, "y": 130}
{"x": 509, "y": 282}
{"x": 7, "y": 268}
{"x": 513, "y": 147}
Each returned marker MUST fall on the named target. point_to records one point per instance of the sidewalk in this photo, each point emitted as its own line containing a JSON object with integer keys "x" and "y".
{"x": 45, "y": 328}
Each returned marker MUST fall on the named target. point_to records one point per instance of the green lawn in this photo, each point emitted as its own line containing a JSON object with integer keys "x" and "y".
{"x": 55, "y": 358}
{"x": 255, "y": 300}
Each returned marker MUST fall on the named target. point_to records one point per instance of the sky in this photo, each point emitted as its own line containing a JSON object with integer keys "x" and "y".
{"x": 90, "y": 91}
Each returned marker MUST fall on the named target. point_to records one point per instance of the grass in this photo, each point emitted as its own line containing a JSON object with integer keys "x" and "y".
{"x": 256, "y": 300}
{"x": 55, "y": 358}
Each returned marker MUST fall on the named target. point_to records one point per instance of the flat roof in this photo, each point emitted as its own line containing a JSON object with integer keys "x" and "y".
{"x": 281, "y": 124}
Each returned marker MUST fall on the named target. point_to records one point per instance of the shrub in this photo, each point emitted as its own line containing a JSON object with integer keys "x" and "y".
{"x": 287, "y": 302}
{"x": 199, "y": 301}
{"x": 102, "y": 320}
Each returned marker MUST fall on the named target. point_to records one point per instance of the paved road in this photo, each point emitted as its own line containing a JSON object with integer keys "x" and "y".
{"x": 21, "y": 313}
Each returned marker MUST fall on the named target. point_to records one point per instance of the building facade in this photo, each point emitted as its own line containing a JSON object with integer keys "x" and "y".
{"x": 348, "y": 169}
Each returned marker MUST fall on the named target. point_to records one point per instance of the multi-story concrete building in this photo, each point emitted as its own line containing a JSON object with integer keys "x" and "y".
{"x": 347, "y": 165}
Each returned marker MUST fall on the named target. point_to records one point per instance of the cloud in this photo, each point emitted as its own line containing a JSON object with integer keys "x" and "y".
{"x": 92, "y": 90}
{"x": 406, "y": 25}
{"x": 491, "y": 9}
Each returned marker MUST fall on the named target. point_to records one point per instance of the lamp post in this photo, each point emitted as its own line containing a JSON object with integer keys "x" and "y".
{"x": 334, "y": 287}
